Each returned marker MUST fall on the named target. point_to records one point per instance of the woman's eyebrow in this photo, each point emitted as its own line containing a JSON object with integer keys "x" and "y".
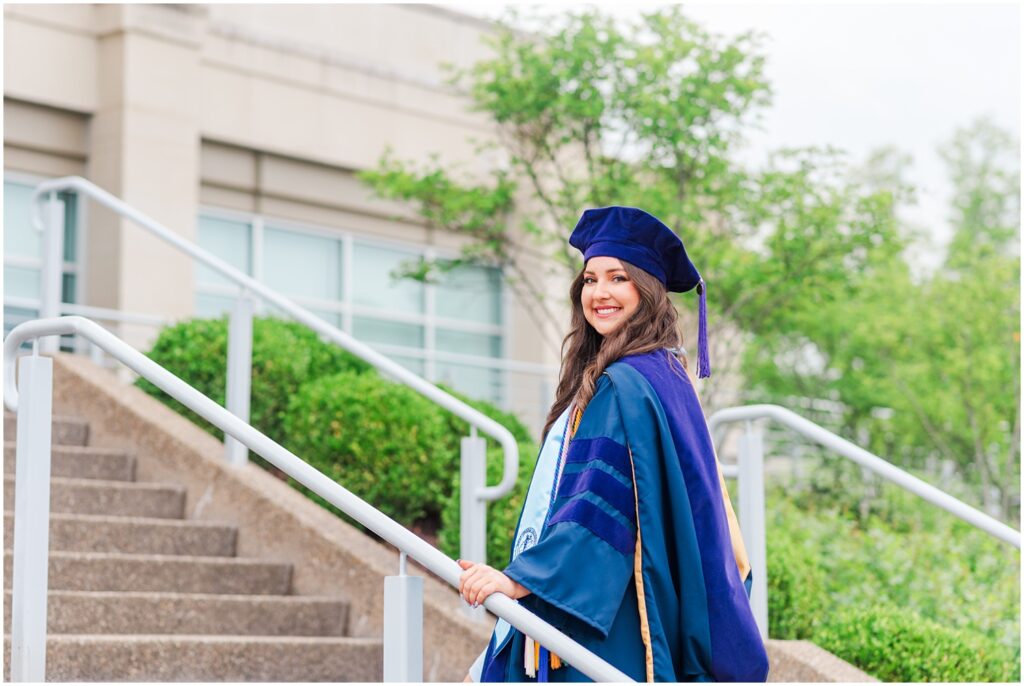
{"x": 606, "y": 271}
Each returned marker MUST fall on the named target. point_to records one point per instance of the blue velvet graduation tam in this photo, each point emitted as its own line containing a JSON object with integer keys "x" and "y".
{"x": 640, "y": 238}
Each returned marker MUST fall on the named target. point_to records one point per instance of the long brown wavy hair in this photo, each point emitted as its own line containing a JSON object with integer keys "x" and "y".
{"x": 586, "y": 353}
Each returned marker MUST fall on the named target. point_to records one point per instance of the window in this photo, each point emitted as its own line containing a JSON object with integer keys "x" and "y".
{"x": 451, "y": 332}
{"x": 23, "y": 247}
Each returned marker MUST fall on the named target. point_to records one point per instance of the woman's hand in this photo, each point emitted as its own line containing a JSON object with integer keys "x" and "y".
{"x": 479, "y": 581}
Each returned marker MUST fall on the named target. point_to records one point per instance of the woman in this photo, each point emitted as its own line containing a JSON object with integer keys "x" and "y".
{"x": 627, "y": 541}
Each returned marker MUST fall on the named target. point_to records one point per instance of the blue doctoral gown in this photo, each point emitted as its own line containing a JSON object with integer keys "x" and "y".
{"x": 636, "y": 560}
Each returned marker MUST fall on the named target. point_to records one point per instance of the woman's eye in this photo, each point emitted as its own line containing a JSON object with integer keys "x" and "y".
{"x": 589, "y": 279}
{"x": 620, "y": 279}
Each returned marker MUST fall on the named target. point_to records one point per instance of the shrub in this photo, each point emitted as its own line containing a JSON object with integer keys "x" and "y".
{"x": 796, "y": 588}
{"x": 381, "y": 440}
{"x": 502, "y": 514}
{"x": 895, "y": 644}
{"x": 284, "y": 356}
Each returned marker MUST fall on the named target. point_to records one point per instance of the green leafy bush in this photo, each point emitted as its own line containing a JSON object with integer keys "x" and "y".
{"x": 502, "y": 514}
{"x": 284, "y": 356}
{"x": 833, "y": 572}
{"x": 795, "y": 587}
{"x": 381, "y": 440}
{"x": 895, "y": 644}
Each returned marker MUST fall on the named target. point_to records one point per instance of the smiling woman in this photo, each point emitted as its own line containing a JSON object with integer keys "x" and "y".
{"x": 627, "y": 540}
{"x": 609, "y": 296}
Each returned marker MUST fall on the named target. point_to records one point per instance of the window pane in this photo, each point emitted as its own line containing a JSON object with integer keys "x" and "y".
{"x": 395, "y": 333}
{"x": 372, "y": 283}
{"x": 476, "y": 382}
{"x": 20, "y": 238}
{"x": 468, "y": 343}
{"x": 413, "y": 364}
{"x": 333, "y": 318}
{"x": 68, "y": 288}
{"x": 21, "y": 282}
{"x": 228, "y": 240}
{"x": 213, "y": 306}
{"x": 471, "y": 294}
{"x": 301, "y": 265}
{"x": 70, "y": 224}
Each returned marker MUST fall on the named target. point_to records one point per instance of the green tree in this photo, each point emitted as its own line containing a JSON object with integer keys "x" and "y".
{"x": 594, "y": 112}
{"x": 924, "y": 367}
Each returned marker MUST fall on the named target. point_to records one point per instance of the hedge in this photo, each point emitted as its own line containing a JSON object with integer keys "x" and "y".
{"x": 895, "y": 644}
{"x": 284, "y": 356}
{"x": 381, "y": 440}
{"x": 502, "y": 514}
{"x": 796, "y": 588}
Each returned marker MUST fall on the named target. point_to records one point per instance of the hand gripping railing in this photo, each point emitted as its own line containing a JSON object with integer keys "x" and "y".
{"x": 28, "y": 630}
{"x": 475, "y": 492}
{"x": 750, "y": 477}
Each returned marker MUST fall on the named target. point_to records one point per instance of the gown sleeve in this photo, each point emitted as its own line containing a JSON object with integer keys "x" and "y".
{"x": 581, "y": 566}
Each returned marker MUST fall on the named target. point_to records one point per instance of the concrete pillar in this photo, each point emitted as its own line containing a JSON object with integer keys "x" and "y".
{"x": 144, "y": 148}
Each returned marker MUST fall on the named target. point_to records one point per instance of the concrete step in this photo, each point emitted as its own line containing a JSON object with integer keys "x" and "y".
{"x": 123, "y": 498}
{"x": 139, "y": 535}
{"x": 66, "y": 430}
{"x": 75, "y": 657}
{"x": 92, "y": 612}
{"x": 162, "y": 573}
{"x": 81, "y": 462}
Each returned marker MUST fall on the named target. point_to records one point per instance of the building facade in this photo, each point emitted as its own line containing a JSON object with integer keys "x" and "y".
{"x": 242, "y": 128}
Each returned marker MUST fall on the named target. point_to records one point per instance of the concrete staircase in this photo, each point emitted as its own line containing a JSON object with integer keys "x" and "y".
{"x": 168, "y": 564}
{"x": 139, "y": 593}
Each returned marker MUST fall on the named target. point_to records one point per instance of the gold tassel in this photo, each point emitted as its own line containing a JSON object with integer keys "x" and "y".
{"x": 536, "y": 656}
{"x": 556, "y": 661}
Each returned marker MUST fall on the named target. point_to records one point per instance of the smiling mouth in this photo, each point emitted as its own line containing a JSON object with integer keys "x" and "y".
{"x": 606, "y": 311}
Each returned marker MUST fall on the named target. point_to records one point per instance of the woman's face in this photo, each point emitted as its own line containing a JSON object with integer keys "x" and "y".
{"x": 609, "y": 296}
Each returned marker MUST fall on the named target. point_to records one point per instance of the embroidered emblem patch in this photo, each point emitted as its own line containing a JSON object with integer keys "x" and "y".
{"x": 526, "y": 539}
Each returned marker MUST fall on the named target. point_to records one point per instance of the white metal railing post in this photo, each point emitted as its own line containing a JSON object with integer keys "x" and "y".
{"x": 31, "y": 518}
{"x": 752, "y": 518}
{"x": 239, "y": 374}
{"x": 52, "y": 273}
{"x": 473, "y": 508}
{"x": 403, "y": 626}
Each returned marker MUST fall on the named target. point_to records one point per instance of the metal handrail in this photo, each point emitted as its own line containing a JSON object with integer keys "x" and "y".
{"x": 474, "y": 417}
{"x": 868, "y": 460}
{"x": 355, "y": 507}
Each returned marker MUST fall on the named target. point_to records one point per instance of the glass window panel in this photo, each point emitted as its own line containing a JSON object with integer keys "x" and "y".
{"x": 20, "y": 238}
{"x": 413, "y": 364}
{"x": 394, "y": 333}
{"x": 70, "y": 226}
{"x": 476, "y": 382}
{"x": 332, "y": 318}
{"x": 471, "y": 294}
{"x": 230, "y": 241}
{"x": 468, "y": 343}
{"x": 373, "y": 286}
{"x": 213, "y": 306}
{"x": 302, "y": 266}
{"x": 68, "y": 288}
{"x": 21, "y": 282}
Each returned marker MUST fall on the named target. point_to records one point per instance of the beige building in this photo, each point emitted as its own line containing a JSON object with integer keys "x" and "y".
{"x": 241, "y": 127}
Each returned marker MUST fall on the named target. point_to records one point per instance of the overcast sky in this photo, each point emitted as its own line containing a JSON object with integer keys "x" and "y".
{"x": 862, "y": 75}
